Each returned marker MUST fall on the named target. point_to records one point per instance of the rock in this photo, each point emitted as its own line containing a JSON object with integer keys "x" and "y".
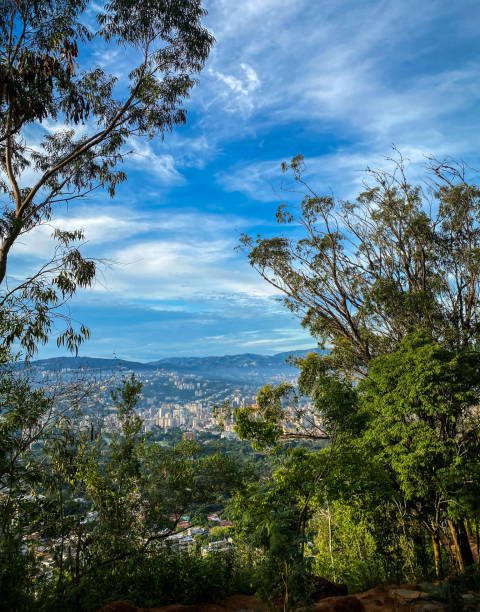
{"x": 428, "y": 606}
{"x": 119, "y": 606}
{"x": 324, "y": 588}
{"x": 347, "y": 603}
{"x": 242, "y": 602}
{"x": 468, "y": 596}
{"x": 234, "y": 603}
{"x": 407, "y": 594}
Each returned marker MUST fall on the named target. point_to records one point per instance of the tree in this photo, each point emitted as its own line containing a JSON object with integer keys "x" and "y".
{"x": 77, "y": 509}
{"x": 37, "y": 465}
{"x": 390, "y": 284}
{"x": 270, "y": 515}
{"x": 364, "y": 274}
{"x": 41, "y": 42}
{"x": 420, "y": 406}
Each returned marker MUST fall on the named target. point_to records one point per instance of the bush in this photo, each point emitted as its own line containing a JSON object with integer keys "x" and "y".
{"x": 156, "y": 579}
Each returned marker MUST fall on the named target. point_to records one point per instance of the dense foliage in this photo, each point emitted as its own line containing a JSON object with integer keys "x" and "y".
{"x": 79, "y": 509}
{"x": 390, "y": 283}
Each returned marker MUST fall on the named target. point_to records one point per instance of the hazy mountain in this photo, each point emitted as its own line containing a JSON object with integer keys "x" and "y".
{"x": 89, "y": 363}
{"x": 227, "y": 367}
{"x": 232, "y": 366}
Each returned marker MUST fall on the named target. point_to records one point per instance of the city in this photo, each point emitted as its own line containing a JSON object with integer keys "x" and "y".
{"x": 170, "y": 398}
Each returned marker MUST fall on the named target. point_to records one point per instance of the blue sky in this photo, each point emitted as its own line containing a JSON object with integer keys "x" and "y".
{"x": 337, "y": 81}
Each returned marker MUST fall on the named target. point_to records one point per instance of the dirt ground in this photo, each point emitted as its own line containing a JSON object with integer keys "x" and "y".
{"x": 388, "y": 598}
{"x": 374, "y": 600}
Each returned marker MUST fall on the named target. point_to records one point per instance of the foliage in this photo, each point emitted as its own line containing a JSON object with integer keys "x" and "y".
{"x": 346, "y": 546}
{"x": 422, "y": 407}
{"x": 263, "y": 422}
{"x": 271, "y": 516}
{"x": 161, "y": 578}
{"x": 364, "y": 274}
{"x": 77, "y": 512}
{"x": 390, "y": 284}
{"x": 41, "y": 44}
{"x": 35, "y": 444}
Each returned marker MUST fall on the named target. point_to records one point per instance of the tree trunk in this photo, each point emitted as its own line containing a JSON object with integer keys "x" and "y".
{"x": 419, "y": 542}
{"x": 7, "y": 244}
{"x": 477, "y": 529}
{"x": 286, "y": 603}
{"x": 456, "y": 545}
{"x": 451, "y": 551}
{"x": 407, "y": 549}
{"x": 462, "y": 545}
{"x": 437, "y": 555}
{"x": 330, "y": 549}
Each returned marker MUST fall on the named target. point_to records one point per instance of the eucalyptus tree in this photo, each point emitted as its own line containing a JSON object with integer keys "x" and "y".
{"x": 364, "y": 274}
{"x": 389, "y": 285}
{"x": 44, "y": 79}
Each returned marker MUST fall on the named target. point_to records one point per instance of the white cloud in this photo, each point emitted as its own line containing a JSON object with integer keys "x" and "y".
{"x": 341, "y": 173}
{"x": 160, "y": 165}
{"x": 252, "y": 79}
{"x": 105, "y": 227}
{"x": 259, "y": 180}
{"x": 153, "y": 255}
{"x": 243, "y": 86}
{"x": 363, "y": 71}
{"x": 172, "y": 269}
{"x": 273, "y": 341}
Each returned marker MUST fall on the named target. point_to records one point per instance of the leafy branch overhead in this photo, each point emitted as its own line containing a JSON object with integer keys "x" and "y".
{"x": 42, "y": 77}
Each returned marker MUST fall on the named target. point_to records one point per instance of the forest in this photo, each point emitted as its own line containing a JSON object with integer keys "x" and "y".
{"x": 375, "y": 480}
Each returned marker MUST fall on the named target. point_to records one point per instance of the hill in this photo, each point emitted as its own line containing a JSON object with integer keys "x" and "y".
{"x": 245, "y": 366}
{"x": 229, "y": 367}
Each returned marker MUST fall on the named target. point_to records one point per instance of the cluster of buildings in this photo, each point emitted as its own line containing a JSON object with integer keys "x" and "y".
{"x": 188, "y": 538}
{"x": 196, "y": 415}
{"x": 185, "y": 538}
{"x": 168, "y": 400}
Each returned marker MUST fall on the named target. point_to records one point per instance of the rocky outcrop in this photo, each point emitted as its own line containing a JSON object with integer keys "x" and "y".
{"x": 332, "y": 598}
{"x": 231, "y": 604}
{"x": 324, "y": 588}
{"x": 343, "y": 603}
{"x": 244, "y": 603}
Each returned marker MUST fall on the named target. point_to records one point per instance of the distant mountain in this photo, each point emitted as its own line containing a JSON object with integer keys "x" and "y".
{"x": 232, "y": 366}
{"x": 226, "y": 367}
{"x": 88, "y": 363}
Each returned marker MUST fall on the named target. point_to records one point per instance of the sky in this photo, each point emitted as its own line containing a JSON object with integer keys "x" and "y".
{"x": 338, "y": 81}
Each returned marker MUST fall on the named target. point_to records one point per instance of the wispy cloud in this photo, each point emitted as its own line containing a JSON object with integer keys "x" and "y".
{"x": 160, "y": 165}
{"x": 172, "y": 269}
{"x": 237, "y": 96}
{"x": 337, "y": 81}
{"x": 374, "y": 72}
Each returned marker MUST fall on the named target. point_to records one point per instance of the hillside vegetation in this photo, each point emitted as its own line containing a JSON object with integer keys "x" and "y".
{"x": 362, "y": 471}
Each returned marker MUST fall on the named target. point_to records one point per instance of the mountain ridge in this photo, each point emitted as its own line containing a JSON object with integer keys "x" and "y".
{"x": 221, "y": 366}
